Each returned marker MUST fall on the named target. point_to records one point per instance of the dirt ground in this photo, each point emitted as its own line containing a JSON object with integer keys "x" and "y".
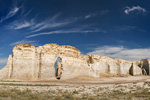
{"x": 81, "y": 82}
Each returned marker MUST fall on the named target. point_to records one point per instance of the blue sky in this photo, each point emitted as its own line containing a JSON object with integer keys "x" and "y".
{"x": 114, "y": 28}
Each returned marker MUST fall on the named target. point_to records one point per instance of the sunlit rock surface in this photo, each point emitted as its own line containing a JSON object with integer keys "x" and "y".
{"x": 37, "y": 63}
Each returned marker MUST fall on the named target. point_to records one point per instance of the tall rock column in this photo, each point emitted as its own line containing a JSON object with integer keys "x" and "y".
{"x": 145, "y": 64}
{"x": 23, "y": 62}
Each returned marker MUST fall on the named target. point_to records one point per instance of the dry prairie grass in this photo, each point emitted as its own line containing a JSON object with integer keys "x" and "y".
{"x": 7, "y": 93}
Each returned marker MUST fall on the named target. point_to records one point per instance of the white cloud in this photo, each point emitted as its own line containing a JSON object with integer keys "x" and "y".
{"x": 3, "y": 61}
{"x": 122, "y": 52}
{"x": 96, "y": 13}
{"x": 24, "y": 41}
{"x": 125, "y": 28}
{"x": 25, "y": 13}
{"x": 20, "y": 25}
{"x": 24, "y": 25}
{"x": 65, "y": 31}
{"x": 48, "y": 25}
{"x": 134, "y": 8}
{"x": 88, "y": 16}
{"x": 36, "y": 26}
{"x": 10, "y": 14}
{"x": 47, "y": 22}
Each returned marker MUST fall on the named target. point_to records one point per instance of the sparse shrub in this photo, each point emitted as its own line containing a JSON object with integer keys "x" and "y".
{"x": 75, "y": 92}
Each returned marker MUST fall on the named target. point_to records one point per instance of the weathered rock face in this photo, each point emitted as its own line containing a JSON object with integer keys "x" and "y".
{"x": 145, "y": 64}
{"x": 30, "y": 63}
{"x": 23, "y": 61}
{"x": 6, "y": 71}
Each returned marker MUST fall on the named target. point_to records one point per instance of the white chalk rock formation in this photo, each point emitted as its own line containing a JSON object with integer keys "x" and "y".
{"x": 31, "y": 63}
{"x": 145, "y": 64}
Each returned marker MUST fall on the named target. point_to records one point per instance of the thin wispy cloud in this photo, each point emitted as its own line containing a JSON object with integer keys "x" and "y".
{"x": 65, "y": 32}
{"x": 96, "y": 14}
{"x": 48, "y": 25}
{"x": 25, "y": 13}
{"x": 19, "y": 25}
{"x": 35, "y": 43}
{"x": 122, "y": 52}
{"x": 89, "y": 15}
{"x": 138, "y": 9}
{"x": 125, "y": 28}
{"x": 42, "y": 27}
{"x": 23, "y": 25}
{"x": 36, "y": 26}
{"x": 10, "y": 14}
{"x": 39, "y": 24}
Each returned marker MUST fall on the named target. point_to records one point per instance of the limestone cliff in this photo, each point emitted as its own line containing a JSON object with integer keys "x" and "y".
{"x": 37, "y": 63}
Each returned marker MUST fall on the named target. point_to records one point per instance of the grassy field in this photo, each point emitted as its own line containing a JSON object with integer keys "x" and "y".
{"x": 9, "y": 93}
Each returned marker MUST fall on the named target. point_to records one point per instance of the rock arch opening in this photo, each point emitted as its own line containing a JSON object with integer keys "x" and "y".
{"x": 131, "y": 70}
{"x": 58, "y": 68}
